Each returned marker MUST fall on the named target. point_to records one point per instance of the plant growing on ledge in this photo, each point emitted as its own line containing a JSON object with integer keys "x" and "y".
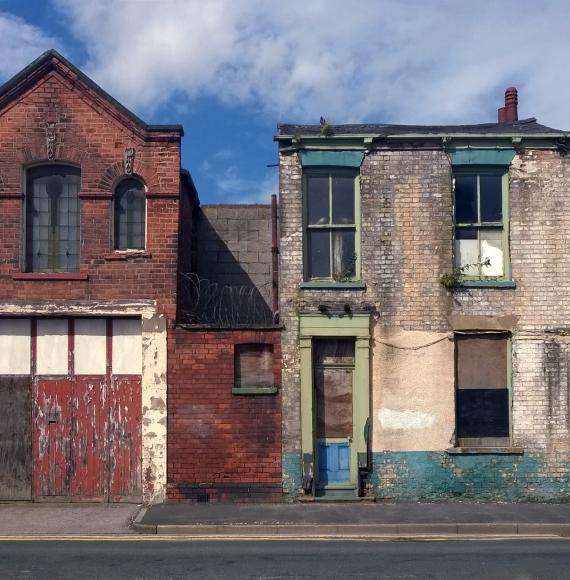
{"x": 451, "y": 279}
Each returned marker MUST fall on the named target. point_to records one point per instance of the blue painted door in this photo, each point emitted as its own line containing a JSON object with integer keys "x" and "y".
{"x": 334, "y": 462}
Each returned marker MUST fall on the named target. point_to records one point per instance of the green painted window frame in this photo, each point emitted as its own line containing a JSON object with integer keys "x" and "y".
{"x": 506, "y": 279}
{"x": 331, "y": 172}
{"x": 501, "y": 443}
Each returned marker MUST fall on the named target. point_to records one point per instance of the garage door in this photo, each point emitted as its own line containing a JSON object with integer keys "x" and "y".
{"x": 82, "y": 410}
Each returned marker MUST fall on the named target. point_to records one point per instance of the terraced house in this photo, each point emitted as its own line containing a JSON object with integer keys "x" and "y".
{"x": 424, "y": 292}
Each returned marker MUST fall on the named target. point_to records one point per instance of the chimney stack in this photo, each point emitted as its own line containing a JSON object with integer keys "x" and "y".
{"x": 509, "y": 113}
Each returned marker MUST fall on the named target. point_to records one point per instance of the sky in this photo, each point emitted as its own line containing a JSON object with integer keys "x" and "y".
{"x": 230, "y": 70}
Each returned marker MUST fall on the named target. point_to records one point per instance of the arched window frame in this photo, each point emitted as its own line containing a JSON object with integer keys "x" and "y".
{"x": 120, "y": 189}
{"x": 52, "y": 232}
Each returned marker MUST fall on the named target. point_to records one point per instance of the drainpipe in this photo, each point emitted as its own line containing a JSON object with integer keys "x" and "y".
{"x": 275, "y": 258}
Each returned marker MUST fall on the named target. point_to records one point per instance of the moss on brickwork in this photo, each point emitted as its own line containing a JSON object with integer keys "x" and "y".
{"x": 412, "y": 476}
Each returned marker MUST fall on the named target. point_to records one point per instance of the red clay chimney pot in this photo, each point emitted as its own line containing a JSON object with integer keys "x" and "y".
{"x": 509, "y": 113}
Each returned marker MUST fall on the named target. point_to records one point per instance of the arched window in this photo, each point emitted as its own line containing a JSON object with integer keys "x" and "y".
{"x": 129, "y": 218}
{"x": 52, "y": 218}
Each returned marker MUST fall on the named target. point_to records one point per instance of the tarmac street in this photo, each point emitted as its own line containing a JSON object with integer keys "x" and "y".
{"x": 148, "y": 559}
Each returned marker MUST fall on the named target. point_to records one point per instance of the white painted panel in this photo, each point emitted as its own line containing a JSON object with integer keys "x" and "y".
{"x": 127, "y": 347}
{"x": 90, "y": 346}
{"x": 52, "y": 347}
{"x": 15, "y": 346}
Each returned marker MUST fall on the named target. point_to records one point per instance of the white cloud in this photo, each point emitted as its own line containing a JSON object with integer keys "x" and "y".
{"x": 20, "y": 43}
{"x": 384, "y": 60}
{"x": 233, "y": 187}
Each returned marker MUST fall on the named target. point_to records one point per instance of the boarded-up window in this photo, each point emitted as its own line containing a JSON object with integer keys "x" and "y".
{"x": 482, "y": 386}
{"x": 254, "y": 365}
{"x": 15, "y": 346}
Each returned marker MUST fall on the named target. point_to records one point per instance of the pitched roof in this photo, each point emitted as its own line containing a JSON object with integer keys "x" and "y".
{"x": 51, "y": 60}
{"x": 522, "y": 127}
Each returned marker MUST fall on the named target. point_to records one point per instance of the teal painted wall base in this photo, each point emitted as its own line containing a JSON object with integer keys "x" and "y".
{"x": 292, "y": 463}
{"x": 422, "y": 475}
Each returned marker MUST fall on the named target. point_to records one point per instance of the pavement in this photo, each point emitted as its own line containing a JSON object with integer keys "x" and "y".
{"x": 285, "y": 520}
{"x": 402, "y": 520}
{"x": 66, "y": 519}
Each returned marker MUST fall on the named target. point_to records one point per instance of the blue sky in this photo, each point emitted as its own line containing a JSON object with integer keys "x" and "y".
{"x": 230, "y": 70}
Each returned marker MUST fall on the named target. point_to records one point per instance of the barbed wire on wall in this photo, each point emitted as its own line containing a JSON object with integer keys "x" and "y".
{"x": 209, "y": 303}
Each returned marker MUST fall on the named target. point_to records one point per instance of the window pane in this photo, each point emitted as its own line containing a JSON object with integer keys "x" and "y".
{"x": 343, "y": 199}
{"x": 482, "y": 413}
{"x": 334, "y": 351}
{"x": 319, "y": 253}
{"x": 467, "y": 250}
{"x": 52, "y": 218}
{"x": 254, "y": 365}
{"x": 492, "y": 249}
{"x": 129, "y": 209}
{"x": 481, "y": 361}
{"x": 344, "y": 256}
{"x": 466, "y": 199}
{"x": 491, "y": 198}
{"x": 317, "y": 200}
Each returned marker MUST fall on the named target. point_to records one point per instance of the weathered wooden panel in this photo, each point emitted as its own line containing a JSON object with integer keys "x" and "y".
{"x": 125, "y": 438}
{"x": 89, "y": 438}
{"x": 51, "y": 448}
{"x": 15, "y": 438}
{"x": 334, "y": 402}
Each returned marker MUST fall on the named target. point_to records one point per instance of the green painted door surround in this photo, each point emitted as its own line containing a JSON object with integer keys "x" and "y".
{"x": 341, "y": 325}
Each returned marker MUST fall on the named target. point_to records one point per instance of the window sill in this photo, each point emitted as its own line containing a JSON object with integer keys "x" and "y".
{"x": 249, "y": 391}
{"x": 126, "y": 255}
{"x": 51, "y": 276}
{"x": 486, "y": 284}
{"x": 485, "y": 451}
{"x": 325, "y": 285}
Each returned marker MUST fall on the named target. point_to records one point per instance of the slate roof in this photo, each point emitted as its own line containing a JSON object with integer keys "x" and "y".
{"x": 522, "y": 127}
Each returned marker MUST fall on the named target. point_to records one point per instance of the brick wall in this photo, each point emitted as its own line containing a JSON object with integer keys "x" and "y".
{"x": 221, "y": 446}
{"x": 92, "y": 133}
{"x": 407, "y": 233}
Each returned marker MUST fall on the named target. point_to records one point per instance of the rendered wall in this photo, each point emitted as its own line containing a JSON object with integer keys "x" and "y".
{"x": 407, "y": 227}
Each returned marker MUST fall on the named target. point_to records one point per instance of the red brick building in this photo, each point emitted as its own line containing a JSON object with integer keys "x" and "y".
{"x": 94, "y": 208}
{"x": 89, "y": 199}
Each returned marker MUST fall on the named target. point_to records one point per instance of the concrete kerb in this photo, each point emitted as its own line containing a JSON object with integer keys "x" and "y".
{"x": 395, "y": 531}
{"x": 138, "y": 526}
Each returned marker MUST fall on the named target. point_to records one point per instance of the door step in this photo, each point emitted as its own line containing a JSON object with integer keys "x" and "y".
{"x": 336, "y": 499}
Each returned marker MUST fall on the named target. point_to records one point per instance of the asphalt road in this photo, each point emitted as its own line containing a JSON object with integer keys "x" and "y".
{"x": 173, "y": 559}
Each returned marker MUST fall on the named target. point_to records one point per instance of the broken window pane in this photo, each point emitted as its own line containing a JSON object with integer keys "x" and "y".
{"x": 254, "y": 365}
{"x": 343, "y": 199}
{"x": 344, "y": 256}
{"x": 318, "y": 199}
{"x": 319, "y": 253}
{"x": 130, "y": 216}
{"x": 491, "y": 198}
{"x": 466, "y": 199}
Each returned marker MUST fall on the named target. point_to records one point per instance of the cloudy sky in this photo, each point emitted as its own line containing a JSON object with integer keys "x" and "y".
{"x": 229, "y": 70}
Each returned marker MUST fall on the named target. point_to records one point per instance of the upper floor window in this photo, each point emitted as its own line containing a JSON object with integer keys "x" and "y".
{"x": 481, "y": 223}
{"x": 52, "y": 219}
{"x": 331, "y": 225}
{"x": 129, "y": 215}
